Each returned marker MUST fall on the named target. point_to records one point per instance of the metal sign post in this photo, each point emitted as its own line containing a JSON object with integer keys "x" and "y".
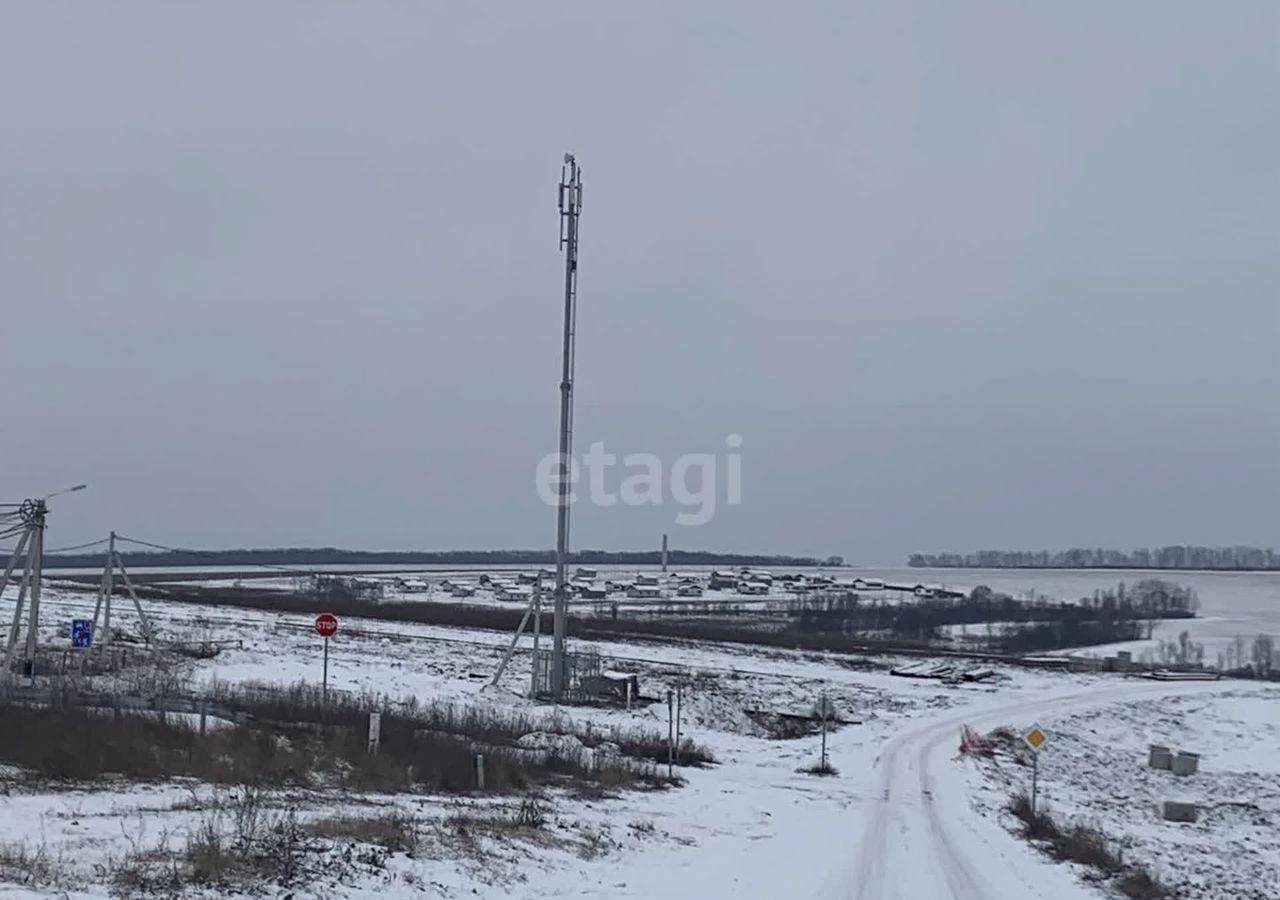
{"x": 326, "y": 627}
{"x": 1035, "y": 737}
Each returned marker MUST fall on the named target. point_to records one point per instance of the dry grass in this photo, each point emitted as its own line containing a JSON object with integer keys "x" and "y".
{"x": 84, "y": 745}
{"x": 303, "y": 703}
{"x": 246, "y": 842}
{"x": 394, "y": 831}
{"x": 24, "y": 865}
{"x": 242, "y": 844}
{"x": 292, "y": 745}
{"x": 1088, "y": 846}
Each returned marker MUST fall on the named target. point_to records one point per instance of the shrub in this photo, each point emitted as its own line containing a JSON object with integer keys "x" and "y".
{"x": 819, "y": 768}
{"x": 290, "y": 744}
{"x": 392, "y": 830}
{"x": 26, "y": 866}
{"x": 1087, "y": 846}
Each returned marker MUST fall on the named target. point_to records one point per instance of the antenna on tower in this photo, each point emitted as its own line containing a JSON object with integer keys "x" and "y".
{"x": 570, "y": 209}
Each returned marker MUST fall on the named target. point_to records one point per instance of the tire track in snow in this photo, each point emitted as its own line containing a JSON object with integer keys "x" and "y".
{"x": 944, "y": 850}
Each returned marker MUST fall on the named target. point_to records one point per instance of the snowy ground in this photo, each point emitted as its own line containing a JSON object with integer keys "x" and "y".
{"x": 1095, "y": 772}
{"x": 897, "y": 823}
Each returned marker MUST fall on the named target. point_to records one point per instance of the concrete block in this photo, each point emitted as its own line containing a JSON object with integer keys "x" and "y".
{"x": 1178, "y": 811}
{"x": 1160, "y": 757}
{"x": 1185, "y": 763}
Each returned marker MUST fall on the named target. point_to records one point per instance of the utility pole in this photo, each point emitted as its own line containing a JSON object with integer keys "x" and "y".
{"x": 30, "y": 515}
{"x": 537, "y": 634}
{"x": 106, "y": 590}
{"x": 27, "y": 517}
{"x": 570, "y": 209}
{"x": 36, "y": 565}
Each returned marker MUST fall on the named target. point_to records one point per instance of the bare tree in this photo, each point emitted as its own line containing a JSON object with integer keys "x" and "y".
{"x": 1263, "y": 647}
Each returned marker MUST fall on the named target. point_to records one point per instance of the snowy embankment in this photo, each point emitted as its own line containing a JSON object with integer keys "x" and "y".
{"x": 1095, "y": 772}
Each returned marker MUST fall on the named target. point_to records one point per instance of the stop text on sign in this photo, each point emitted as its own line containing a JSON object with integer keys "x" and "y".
{"x": 326, "y": 625}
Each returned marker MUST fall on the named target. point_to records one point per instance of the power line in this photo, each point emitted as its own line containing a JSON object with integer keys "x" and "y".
{"x": 96, "y": 543}
{"x": 219, "y": 558}
{"x": 86, "y": 546}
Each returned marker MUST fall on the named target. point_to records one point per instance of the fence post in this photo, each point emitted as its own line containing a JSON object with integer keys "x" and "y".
{"x": 679, "y": 706}
{"x": 671, "y": 734}
{"x": 480, "y": 771}
{"x": 375, "y": 731}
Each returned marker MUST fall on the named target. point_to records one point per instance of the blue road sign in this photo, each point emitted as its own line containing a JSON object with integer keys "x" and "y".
{"x": 81, "y": 633}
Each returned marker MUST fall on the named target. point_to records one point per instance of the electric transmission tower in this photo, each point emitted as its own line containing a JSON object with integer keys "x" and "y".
{"x": 570, "y": 209}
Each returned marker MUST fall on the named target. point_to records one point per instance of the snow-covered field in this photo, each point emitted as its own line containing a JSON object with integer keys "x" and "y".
{"x": 1095, "y": 772}
{"x": 903, "y": 819}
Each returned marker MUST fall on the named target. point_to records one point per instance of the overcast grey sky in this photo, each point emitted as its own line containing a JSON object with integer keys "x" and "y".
{"x": 960, "y": 275}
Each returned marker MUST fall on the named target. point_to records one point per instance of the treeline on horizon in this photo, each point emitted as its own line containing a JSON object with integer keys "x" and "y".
{"x": 331, "y": 556}
{"x": 1172, "y": 557}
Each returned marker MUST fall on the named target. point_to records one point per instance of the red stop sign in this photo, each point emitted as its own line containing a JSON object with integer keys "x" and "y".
{"x": 326, "y": 625}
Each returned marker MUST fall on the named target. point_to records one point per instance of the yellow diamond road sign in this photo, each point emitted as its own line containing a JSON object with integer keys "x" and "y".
{"x": 1035, "y": 737}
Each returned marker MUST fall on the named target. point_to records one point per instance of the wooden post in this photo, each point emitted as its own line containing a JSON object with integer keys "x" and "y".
{"x": 679, "y": 707}
{"x": 480, "y": 771}
{"x": 671, "y": 735}
{"x": 824, "y": 741}
{"x": 826, "y": 712}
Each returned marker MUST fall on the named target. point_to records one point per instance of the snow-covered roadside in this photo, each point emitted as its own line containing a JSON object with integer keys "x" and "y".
{"x": 1094, "y": 772}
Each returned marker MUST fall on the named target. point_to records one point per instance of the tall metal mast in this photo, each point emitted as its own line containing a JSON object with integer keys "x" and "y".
{"x": 570, "y": 208}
